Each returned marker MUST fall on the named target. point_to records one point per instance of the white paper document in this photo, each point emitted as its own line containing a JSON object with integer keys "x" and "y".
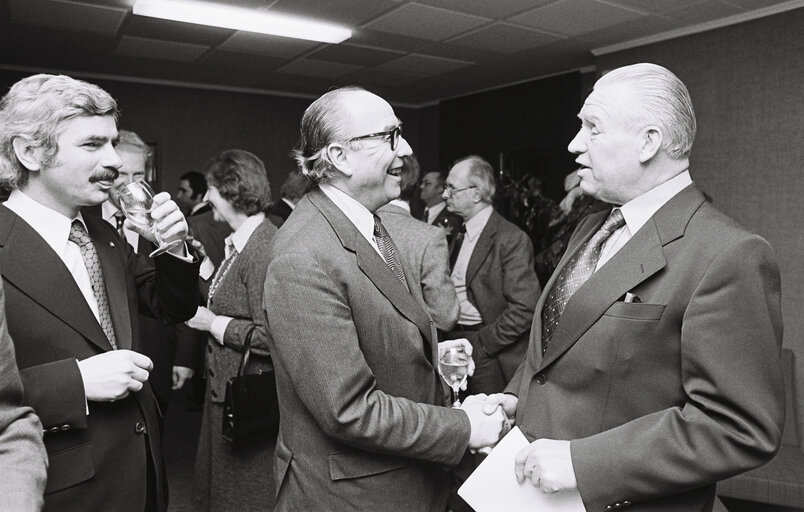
{"x": 493, "y": 486}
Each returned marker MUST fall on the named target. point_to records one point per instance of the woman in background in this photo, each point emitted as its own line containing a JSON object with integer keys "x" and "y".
{"x": 235, "y": 477}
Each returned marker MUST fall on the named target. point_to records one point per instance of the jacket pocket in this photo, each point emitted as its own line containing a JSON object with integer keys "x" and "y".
{"x": 635, "y": 311}
{"x": 343, "y": 466}
{"x": 69, "y": 467}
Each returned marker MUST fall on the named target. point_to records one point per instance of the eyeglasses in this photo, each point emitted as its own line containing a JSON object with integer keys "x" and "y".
{"x": 393, "y": 136}
{"x": 449, "y": 190}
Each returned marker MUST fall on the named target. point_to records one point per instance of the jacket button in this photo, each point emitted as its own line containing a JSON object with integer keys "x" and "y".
{"x": 540, "y": 378}
{"x": 626, "y": 503}
{"x": 140, "y": 428}
{"x": 65, "y": 427}
{"x": 53, "y": 429}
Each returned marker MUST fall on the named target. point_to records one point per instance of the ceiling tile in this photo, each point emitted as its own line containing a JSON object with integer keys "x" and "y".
{"x": 376, "y": 77}
{"x": 503, "y": 38}
{"x": 754, "y": 4}
{"x": 494, "y": 9}
{"x": 166, "y": 30}
{"x": 261, "y": 44}
{"x": 575, "y": 17}
{"x": 702, "y": 12}
{"x": 69, "y": 16}
{"x": 344, "y": 12}
{"x": 653, "y": 6}
{"x": 352, "y": 54}
{"x": 425, "y": 22}
{"x": 318, "y": 68}
{"x": 388, "y": 41}
{"x": 425, "y": 65}
{"x": 219, "y": 60}
{"x": 628, "y": 31}
{"x": 161, "y": 50}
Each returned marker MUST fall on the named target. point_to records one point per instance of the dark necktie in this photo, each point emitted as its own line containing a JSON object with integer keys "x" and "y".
{"x": 79, "y": 236}
{"x": 456, "y": 246}
{"x": 426, "y": 215}
{"x": 388, "y": 251}
{"x": 119, "y": 218}
{"x": 575, "y": 273}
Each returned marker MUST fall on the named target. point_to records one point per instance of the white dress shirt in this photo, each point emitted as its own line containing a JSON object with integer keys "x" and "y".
{"x": 638, "y": 211}
{"x": 469, "y": 315}
{"x": 108, "y": 211}
{"x": 433, "y": 211}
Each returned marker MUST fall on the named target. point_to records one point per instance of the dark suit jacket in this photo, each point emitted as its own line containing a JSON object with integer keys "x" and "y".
{"x": 362, "y": 425}
{"x": 450, "y": 220}
{"x": 423, "y": 249}
{"x": 662, "y": 398}
{"x": 503, "y": 287}
{"x": 22, "y": 456}
{"x": 97, "y": 461}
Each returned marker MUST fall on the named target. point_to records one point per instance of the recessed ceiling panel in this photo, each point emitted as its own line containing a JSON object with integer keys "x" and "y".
{"x": 167, "y": 30}
{"x": 69, "y": 16}
{"x": 388, "y": 41}
{"x": 318, "y": 68}
{"x": 575, "y": 17}
{"x": 272, "y": 46}
{"x": 424, "y": 65}
{"x": 629, "y": 31}
{"x": 352, "y": 54}
{"x": 240, "y": 62}
{"x": 653, "y": 6}
{"x": 350, "y": 13}
{"x": 160, "y": 50}
{"x": 376, "y": 77}
{"x": 502, "y": 38}
{"x": 425, "y": 22}
{"x": 702, "y": 12}
{"x": 494, "y": 9}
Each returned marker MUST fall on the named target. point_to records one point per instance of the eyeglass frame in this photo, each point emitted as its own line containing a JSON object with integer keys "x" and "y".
{"x": 449, "y": 190}
{"x": 394, "y": 135}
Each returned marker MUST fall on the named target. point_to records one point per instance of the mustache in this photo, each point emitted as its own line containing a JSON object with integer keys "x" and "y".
{"x": 106, "y": 175}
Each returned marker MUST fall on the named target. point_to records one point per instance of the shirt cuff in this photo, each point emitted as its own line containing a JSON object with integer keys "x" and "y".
{"x": 186, "y": 256}
{"x": 218, "y": 327}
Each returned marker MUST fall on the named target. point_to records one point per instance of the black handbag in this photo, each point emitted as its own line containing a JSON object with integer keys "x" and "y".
{"x": 250, "y": 405}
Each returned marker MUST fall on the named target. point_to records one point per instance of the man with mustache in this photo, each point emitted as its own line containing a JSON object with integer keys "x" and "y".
{"x": 74, "y": 290}
{"x": 362, "y": 419}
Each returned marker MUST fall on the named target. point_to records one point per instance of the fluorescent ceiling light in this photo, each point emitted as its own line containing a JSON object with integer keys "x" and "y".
{"x": 237, "y": 18}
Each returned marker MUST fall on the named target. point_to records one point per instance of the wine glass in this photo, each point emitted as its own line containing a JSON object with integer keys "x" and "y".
{"x": 137, "y": 201}
{"x": 453, "y": 365}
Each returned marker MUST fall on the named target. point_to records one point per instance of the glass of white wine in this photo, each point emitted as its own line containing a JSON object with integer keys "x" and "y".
{"x": 137, "y": 201}
{"x": 453, "y": 365}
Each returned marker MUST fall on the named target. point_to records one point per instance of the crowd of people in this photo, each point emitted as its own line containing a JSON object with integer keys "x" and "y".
{"x": 648, "y": 323}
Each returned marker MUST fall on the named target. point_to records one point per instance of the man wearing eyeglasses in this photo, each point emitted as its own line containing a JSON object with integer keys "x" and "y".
{"x": 491, "y": 262}
{"x": 363, "y": 426}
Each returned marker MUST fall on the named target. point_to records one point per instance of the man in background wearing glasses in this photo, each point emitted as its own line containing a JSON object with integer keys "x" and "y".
{"x": 362, "y": 424}
{"x": 491, "y": 263}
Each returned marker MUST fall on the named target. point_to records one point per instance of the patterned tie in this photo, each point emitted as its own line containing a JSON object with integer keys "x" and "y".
{"x": 388, "y": 251}
{"x": 575, "y": 273}
{"x": 456, "y": 246}
{"x": 119, "y": 218}
{"x": 79, "y": 236}
{"x": 226, "y": 264}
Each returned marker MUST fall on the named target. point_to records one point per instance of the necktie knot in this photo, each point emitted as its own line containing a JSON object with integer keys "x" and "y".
{"x": 119, "y": 219}
{"x": 78, "y": 234}
{"x": 614, "y": 221}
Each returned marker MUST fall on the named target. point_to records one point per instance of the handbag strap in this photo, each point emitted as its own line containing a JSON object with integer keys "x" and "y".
{"x": 246, "y": 352}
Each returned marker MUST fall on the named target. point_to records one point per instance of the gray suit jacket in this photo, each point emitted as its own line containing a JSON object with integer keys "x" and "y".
{"x": 664, "y": 397}
{"x": 423, "y": 249}
{"x": 362, "y": 425}
{"x": 22, "y": 453}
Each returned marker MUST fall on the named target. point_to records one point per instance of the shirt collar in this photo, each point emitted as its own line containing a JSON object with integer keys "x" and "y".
{"x": 639, "y": 210}
{"x": 240, "y": 237}
{"x": 478, "y": 221}
{"x": 108, "y": 210}
{"x": 197, "y": 207}
{"x": 434, "y": 210}
{"x": 289, "y": 203}
{"x": 360, "y": 216}
{"x": 50, "y": 224}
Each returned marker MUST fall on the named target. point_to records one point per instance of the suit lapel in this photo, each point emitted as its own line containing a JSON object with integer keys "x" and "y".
{"x": 114, "y": 277}
{"x": 372, "y": 264}
{"x": 23, "y": 255}
{"x": 484, "y": 244}
{"x": 641, "y": 257}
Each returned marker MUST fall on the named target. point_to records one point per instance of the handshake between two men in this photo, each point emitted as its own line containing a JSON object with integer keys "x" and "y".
{"x": 545, "y": 463}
